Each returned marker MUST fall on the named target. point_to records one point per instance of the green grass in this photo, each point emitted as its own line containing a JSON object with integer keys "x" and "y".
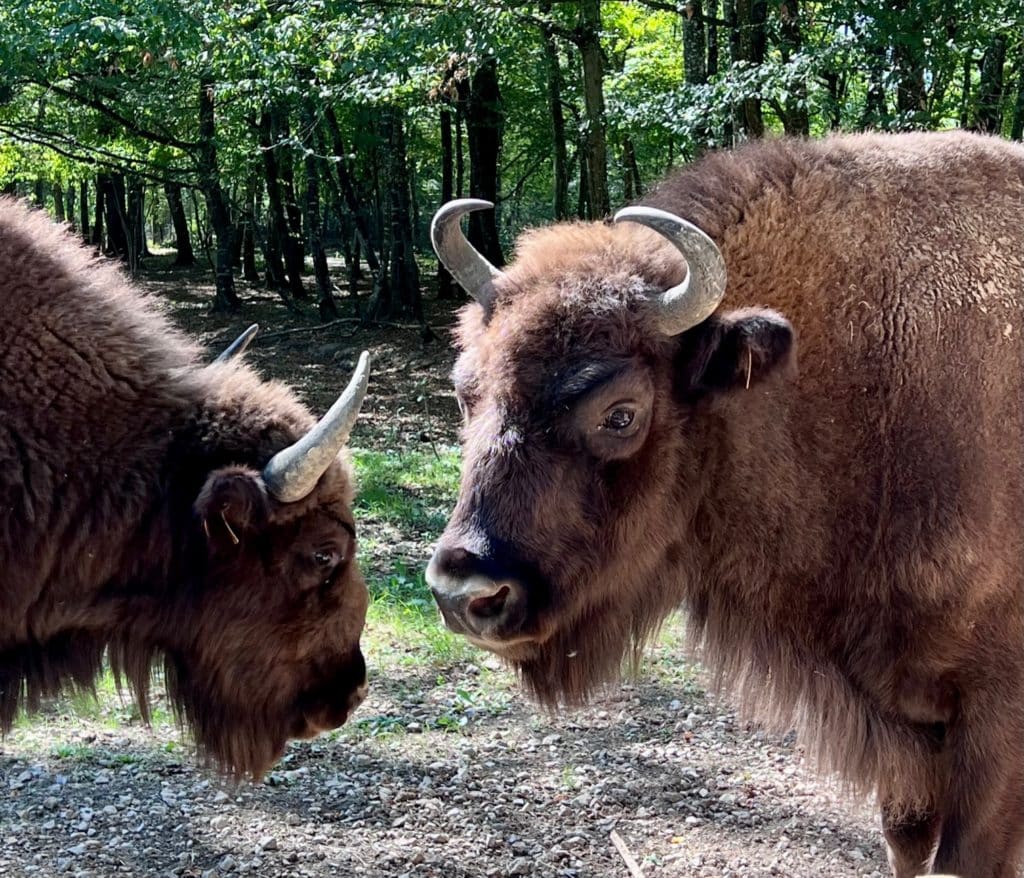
{"x": 412, "y": 491}
{"x": 404, "y": 499}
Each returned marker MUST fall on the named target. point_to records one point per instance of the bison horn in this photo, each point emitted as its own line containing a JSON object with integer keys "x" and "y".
{"x": 294, "y": 471}
{"x": 238, "y": 346}
{"x": 695, "y": 299}
{"x": 471, "y": 270}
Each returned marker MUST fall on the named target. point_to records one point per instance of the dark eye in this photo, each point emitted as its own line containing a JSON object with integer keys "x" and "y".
{"x": 324, "y": 559}
{"x": 618, "y": 419}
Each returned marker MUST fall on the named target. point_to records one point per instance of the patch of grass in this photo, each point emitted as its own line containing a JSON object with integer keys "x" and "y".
{"x": 412, "y": 492}
{"x": 403, "y": 626}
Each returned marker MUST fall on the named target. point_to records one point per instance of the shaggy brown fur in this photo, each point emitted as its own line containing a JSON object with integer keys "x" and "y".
{"x": 846, "y": 538}
{"x": 128, "y": 469}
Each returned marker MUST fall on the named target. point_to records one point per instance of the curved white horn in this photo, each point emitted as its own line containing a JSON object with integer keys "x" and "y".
{"x": 294, "y": 471}
{"x": 695, "y": 299}
{"x": 238, "y": 346}
{"x": 469, "y": 268}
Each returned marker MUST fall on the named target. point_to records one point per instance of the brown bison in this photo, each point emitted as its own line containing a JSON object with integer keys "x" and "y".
{"x": 153, "y": 507}
{"x": 823, "y": 461}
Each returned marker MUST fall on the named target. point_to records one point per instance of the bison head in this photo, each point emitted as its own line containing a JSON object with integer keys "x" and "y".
{"x": 263, "y": 643}
{"x": 595, "y": 377}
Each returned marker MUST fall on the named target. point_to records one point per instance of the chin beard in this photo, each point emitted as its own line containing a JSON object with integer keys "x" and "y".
{"x": 574, "y": 664}
{"x": 241, "y": 742}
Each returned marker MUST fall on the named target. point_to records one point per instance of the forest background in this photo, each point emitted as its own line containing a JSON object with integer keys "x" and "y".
{"x": 262, "y": 136}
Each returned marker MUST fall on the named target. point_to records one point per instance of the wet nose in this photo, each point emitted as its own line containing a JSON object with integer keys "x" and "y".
{"x": 474, "y": 596}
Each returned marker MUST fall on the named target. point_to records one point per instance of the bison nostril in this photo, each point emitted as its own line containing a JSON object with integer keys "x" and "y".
{"x": 491, "y": 606}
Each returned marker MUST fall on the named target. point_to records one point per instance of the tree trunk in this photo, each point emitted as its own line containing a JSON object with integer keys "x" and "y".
{"x": 279, "y": 225}
{"x": 876, "y": 112}
{"x": 460, "y": 156}
{"x": 249, "y": 271}
{"x": 1017, "y": 124}
{"x": 965, "y": 89}
{"x": 750, "y": 21}
{"x": 137, "y": 246}
{"x": 404, "y": 290}
{"x": 294, "y": 246}
{"x": 794, "y": 118}
{"x": 988, "y": 112}
{"x": 911, "y": 94}
{"x": 559, "y": 152}
{"x": 116, "y": 215}
{"x": 712, "y": 65}
{"x": 83, "y": 210}
{"x": 69, "y": 207}
{"x": 325, "y": 298}
{"x": 734, "y": 122}
{"x": 485, "y": 119}
{"x": 445, "y": 285}
{"x": 209, "y": 173}
{"x": 58, "y": 203}
{"x": 348, "y": 191}
{"x": 632, "y": 185}
{"x": 186, "y": 257}
{"x": 596, "y": 154}
{"x": 695, "y": 70}
{"x": 99, "y": 238}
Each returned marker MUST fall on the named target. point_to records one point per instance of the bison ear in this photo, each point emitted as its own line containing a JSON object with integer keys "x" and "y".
{"x": 735, "y": 350}
{"x": 233, "y": 502}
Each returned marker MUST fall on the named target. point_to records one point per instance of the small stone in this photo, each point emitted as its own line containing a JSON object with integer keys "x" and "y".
{"x": 221, "y": 798}
{"x": 227, "y": 864}
{"x": 267, "y": 843}
{"x": 521, "y": 866}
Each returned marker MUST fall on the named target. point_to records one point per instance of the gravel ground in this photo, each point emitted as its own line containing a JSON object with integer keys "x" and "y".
{"x": 446, "y": 770}
{"x": 508, "y": 792}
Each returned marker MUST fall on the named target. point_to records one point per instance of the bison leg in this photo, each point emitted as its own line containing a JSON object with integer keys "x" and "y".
{"x": 982, "y": 834}
{"x": 912, "y": 840}
{"x": 983, "y": 811}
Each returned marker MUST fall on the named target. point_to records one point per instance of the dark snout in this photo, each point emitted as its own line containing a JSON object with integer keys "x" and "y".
{"x": 332, "y": 701}
{"x": 477, "y": 596}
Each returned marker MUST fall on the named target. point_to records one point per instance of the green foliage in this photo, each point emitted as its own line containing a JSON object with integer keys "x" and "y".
{"x": 87, "y": 84}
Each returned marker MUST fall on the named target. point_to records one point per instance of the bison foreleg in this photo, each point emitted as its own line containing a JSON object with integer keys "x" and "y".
{"x": 912, "y": 841}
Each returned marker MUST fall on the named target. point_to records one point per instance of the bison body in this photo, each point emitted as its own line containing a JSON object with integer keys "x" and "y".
{"x": 135, "y": 515}
{"x": 827, "y": 472}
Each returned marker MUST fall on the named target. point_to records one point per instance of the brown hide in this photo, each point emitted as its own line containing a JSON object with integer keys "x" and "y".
{"x": 133, "y": 516}
{"x": 827, "y": 476}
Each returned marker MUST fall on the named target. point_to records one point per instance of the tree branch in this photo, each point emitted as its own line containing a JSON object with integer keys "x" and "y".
{"x": 129, "y": 125}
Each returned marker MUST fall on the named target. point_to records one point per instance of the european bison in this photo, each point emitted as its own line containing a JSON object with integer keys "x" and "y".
{"x": 846, "y": 537}
{"x": 156, "y": 508}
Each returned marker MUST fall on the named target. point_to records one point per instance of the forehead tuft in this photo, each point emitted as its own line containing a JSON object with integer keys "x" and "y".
{"x": 574, "y": 288}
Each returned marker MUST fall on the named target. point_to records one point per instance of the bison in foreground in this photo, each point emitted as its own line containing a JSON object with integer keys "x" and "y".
{"x": 822, "y": 462}
{"x": 156, "y": 508}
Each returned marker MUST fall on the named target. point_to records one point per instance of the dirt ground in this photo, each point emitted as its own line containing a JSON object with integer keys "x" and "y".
{"x": 448, "y": 770}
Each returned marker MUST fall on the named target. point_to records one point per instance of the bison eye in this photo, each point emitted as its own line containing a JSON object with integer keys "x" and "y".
{"x": 618, "y": 419}
{"x": 324, "y": 559}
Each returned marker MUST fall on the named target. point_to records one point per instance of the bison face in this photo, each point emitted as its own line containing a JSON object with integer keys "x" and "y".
{"x": 271, "y": 649}
{"x": 590, "y": 426}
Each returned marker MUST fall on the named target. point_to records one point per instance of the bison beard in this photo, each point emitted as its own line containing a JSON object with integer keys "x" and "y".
{"x": 166, "y": 513}
{"x": 824, "y": 468}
